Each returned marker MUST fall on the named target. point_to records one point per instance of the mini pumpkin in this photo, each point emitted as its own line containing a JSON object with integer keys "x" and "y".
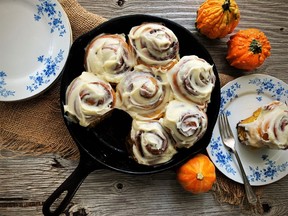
{"x": 248, "y": 49}
{"x": 217, "y": 18}
{"x": 197, "y": 175}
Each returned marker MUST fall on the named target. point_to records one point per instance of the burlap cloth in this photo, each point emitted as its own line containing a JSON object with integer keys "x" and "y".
{"x": 36, "y": 127}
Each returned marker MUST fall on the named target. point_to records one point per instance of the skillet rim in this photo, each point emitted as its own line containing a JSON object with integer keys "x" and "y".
{"x": 138, "y": 168}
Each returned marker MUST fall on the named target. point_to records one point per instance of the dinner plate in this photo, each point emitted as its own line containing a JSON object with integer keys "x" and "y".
{"x": 35, "y": 43}
{"x": 239, "y": 98}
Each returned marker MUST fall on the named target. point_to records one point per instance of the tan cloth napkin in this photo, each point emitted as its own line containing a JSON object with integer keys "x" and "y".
{"x": 35, "y": 126}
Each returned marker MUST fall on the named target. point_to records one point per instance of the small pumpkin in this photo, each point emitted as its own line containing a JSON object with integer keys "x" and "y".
{"x": 197, "y": 175}
{"x": 248, "y": 49}
{"x": 217, "y": 18}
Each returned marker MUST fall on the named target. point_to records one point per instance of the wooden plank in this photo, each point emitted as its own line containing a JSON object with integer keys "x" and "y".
{"x": 26, "y": 182}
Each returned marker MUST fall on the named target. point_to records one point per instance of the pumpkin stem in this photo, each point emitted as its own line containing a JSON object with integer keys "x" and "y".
{"x": 255, "y": 46}
{"x": 226, "y": 5}
{"x": 199, "y": 176}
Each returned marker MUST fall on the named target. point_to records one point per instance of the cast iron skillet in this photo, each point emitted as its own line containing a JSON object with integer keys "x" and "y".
{"x": 105, "y": 144}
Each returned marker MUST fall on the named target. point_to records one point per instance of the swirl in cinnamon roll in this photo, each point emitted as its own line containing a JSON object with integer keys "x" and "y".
{"x": 186, "y": 123}
{"x": 155, "y": 45}
{"x": 88, "y": 98}
{"x": 150, "y": 143}
{"x": 267, "y": 127}
{"x": 192, "y": 80}
{"x": 143, "y": 93}
{"x": 109, "y": 56}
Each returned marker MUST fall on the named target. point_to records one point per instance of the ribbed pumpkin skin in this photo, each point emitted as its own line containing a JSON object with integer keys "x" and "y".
{"x": 197, "y": 175}
{"x": 217, "y": 18}
{"x": 248, "y": 49}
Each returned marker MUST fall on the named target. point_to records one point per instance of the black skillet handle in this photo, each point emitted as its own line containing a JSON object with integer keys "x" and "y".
{"x": 68, "y": 188}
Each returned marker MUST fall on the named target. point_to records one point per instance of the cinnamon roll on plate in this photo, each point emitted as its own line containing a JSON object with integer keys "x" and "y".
{"x": 186, "y": 123}
{"x": 143, "y": 93}
{"x": 150, "y": 143}
{"x": 109, "y": 56}
{"x": 88, "y": 99}
{"x": 267, "y": 127}
{"x": 192, "y": 80}
{"x": 154, "y": 45}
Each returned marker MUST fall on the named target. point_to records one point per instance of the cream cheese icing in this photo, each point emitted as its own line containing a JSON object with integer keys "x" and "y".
{"x": 186, "y": 123}
{"x": 154, "y": 44}
{"x": 151, "y": 144}
{"x": 88, "y": 98}
{"x": 192, "y": 80}
{"x": 109, "y": 56}
{"x": 143, "y": 93}
{"x": 269, "y": 129}
{"x": 166, "y": 98}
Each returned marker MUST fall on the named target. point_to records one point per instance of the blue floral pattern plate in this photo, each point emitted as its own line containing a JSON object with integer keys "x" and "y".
{"x": 239, "y": 98}
{"x": 35, "y": 43}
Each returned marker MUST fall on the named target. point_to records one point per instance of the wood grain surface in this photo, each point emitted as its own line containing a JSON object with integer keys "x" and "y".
{"x": 26, "y": 182}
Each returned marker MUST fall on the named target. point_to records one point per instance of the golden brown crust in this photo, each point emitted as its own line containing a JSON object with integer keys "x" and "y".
{"x": 242, "y": 135}
{"x": 266, "y": 127}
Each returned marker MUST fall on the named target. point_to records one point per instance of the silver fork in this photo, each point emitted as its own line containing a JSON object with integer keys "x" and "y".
{"x": 229, "y": 141}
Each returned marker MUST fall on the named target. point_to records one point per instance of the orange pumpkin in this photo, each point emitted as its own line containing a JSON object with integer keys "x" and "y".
{"x": 248, "y": 49}
{"x": 197, "y": 175}
{"x": 217, "y": 18}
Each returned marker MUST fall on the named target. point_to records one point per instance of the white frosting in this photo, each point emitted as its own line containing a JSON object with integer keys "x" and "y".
{"x": 142, "y": 94}
{"x": 192, "y": 80}
{"x": 270, "y": 129}
{"x": 186, "y": 123}
{"x": 154, "y": 44}
{"x": 151, "y": 144}
{"x": 89, "y": 98}
{"x": 146, "y": 73}
{"x": 109, "y": 56}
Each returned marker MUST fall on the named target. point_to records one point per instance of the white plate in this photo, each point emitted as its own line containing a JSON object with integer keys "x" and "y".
{"x": 34, "y": 45}
{"x": 239, "y": 98}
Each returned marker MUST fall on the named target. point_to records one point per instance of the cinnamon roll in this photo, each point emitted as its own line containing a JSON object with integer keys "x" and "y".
{"x": 143, "y": 93}
{"x": 109, "y": 56}
{"x": 150, "y": 144}
{"x": 186, "y": 123}
{"x": 267, "y": 127}
{"x": 89, "y": 98}
{"x": 154, "y": 44}
{"x": 192, "y": 80}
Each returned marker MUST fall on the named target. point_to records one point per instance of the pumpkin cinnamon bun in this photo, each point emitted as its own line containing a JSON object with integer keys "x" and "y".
{"x": 143, "y": 93}
{"x": 186, "y": 123}
{"x": 150, "y": 144}
{"x": 109, "y": 56}
{"x": 192, "y": 80}
{"x": 266, "y": 127}
{"x": 154, "y": 45}
{"x": 89, "y": 98}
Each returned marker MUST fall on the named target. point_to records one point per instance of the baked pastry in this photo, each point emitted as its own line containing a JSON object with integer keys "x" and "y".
{"x": 143, "y": 93}
{"x": 192, "y": 80}
{"x": 109, "y": 56}
{"x": 185, "y": 122}
{"x": 150, "y": 144}
{"x": 142, "y": 74}
{"x": 154, "y": 45}
{"x": 88, "y": 99}
{"x": 267, "y": 127}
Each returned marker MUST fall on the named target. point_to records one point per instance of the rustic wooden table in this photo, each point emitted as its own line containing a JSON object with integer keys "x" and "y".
{"x": 25, "y": 182}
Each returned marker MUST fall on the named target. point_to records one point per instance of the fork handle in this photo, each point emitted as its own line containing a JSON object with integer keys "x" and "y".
{"x": 252, "y": 199}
